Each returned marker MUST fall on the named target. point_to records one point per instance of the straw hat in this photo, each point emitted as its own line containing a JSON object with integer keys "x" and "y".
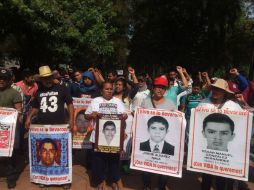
{"x": 222, "y": 84}
{"x": 45, "y": 71}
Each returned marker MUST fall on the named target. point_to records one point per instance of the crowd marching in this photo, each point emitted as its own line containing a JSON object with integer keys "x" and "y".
{"x": 47, "y": 98}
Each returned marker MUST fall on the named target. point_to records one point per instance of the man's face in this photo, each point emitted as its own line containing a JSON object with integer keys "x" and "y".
{"x": 109, "y": 132}
{"x": 141, "y": 83}
{"x": 172, "y": 75}
{"x": 218, "y": 135}
{"x": 82, "y": 123}
{"x": 3, "y": 83}
{"x": 111, "y": 77}
{"x": 195, "y": 89}
{"x": 48, "y": 154}
{"x": 29, "y": 80}
{"x": 77, "y": 76}
{"x": 218, "y": 94}
{"x": 157, "y": 132}
{"x": 47, "y": 81}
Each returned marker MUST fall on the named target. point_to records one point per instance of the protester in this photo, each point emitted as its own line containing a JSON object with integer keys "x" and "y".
{"x": 191, "y": 101}
{"x": 97, "y": 75}
{"x": 239, "y": 83}
{"x": 28, "y": 87}
{"x": 188, "y": 89}
{"x": 157, "y": 101}
{"x": 220, "y": 99}
{"x": 101, "y": 161}
{"x": 88, "y": 87}
{"x": 205, "y": 81}
{"x": 126, "y": 95}
{"x": 11, "y": 98}
{"x": 48, "y": 104}
{"x": 176, "y": 85}
{"x": 112, "y": 76}
{"x": 77, "y": 77}
{"x": 123, "y": 92}
{"x": 143, "y": 93}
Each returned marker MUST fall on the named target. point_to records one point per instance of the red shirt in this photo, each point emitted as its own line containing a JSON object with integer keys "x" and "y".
{"x": 28, "y": 90}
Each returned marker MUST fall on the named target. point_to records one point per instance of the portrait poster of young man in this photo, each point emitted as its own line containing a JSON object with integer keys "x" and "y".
{"x": 109, "y": 134}
{"x": 83, "y": 126}
{"x": 158, "y": 141}
{"x": 219, "y": 142}
{"x": 49, "y": 150}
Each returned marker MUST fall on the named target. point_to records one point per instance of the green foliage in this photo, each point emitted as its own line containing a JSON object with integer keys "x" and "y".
{"x": 211, "y": 35}
{"x": 59, "y": 30}
{"x": 200, "y": 35}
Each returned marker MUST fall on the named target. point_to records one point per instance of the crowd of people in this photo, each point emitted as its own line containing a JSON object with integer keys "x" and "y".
{"x": 46, "y": 98}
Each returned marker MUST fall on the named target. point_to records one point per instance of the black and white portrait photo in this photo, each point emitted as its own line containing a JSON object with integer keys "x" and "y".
{"x": 158, "y": 141}
{"x": 218, "y": 129}
{"x": 157, "y": 127}
{"x": 109, "y": 133}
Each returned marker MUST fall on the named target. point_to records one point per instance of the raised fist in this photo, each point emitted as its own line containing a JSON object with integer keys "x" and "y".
{"x": 179, "y": 69}
{"x": 234, "y": 72}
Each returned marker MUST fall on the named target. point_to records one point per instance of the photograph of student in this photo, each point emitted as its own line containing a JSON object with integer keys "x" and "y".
{"x": 218, "y": 129}
{"x": 48, "y": 153}
{"x": 82, "y": 124}
{"x": 108, "y": 136}
{"x": 157, "y": 127}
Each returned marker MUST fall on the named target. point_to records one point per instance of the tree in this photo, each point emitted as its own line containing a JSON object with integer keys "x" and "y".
{"x": 200, "y": 35}
{"x": 57, "y": 31}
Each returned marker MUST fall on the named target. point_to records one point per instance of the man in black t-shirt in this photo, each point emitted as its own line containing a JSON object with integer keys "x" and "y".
{"x": 49, "y": 102}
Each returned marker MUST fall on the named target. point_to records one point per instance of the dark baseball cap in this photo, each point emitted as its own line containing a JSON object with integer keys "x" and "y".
{"x": 5, "y": 73}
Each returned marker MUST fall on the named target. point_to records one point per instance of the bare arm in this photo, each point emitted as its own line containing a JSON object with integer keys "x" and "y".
{"x": 200, "y": 77}
{"x": 183, "y": 78}
{"x": 70, "y": 109}
{"x": 98, "y": 76}
{"x": 186, "y": 74}
{"x": 133, "y": 75}
{"x": 18, "y": 107}
{"x": 207, "y": 79}
{"x": 30, "y": 116}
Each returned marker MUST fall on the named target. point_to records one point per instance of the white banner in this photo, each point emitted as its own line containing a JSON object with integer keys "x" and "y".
{"x": 158, "y": 141}
{"x": 50, "y": 154}
{"x": 84, "y": 127}
{"x": 126, "y": 152}
{"x": 219, "y": 142}
{"x": 8, "y": 119}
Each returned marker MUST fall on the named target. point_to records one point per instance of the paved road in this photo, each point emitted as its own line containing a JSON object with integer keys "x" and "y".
{"x": 132, "y": 181}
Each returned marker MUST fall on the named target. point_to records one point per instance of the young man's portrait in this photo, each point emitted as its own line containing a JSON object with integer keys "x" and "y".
{"x": 157, "y": 128}
{"x": 109, "y": 132}
{"x": 218, "y": 129}
{"x": 82, "y": 124}
{"x": 48, "y": 152}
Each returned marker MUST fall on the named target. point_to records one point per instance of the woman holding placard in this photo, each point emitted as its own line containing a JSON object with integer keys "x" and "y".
{"x": 158, "y": 101}
{"x": 105, "y": 104}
